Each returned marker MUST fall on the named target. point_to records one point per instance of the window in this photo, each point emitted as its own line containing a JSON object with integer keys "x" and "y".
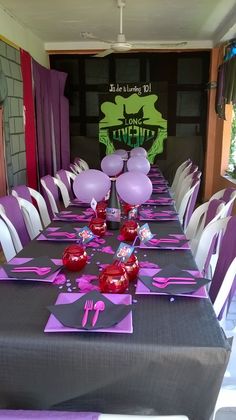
{"x": 232, "y": 156}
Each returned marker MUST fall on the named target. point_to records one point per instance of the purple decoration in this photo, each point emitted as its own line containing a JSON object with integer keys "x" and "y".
{"x": 138, "y": 151}
{"x": 134, "y": 187}
{"x": 14, "y": 214}
{"x": 138, "y": 163}
{"x": 107, "y": 250}
{"x": 91, "y": 184}
{"x": 112, "y": 164}
{"x": 60, "y": 279}
{"x": 122, "y": 153}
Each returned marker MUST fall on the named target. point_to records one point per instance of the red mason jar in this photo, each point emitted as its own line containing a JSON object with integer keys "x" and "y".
{"x": 101, "y": 209}
{"x": 126, "y": 208}
{"x": 113, "y": 279}
{"x": 74, "y": 257}
{"x": 129, "y": 230}
{"x": 132, "y": 267}
{"x": 98, "y": 226}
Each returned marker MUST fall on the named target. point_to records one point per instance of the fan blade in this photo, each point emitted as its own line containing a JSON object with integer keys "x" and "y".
{"x": 159, "y": 44}
{"x": 103, "y": 53}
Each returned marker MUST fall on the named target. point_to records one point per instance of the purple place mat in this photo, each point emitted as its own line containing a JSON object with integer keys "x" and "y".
{"x": 141, "y": 289}
{"x": 20, "y": 261}
{"x": 68, "y": 216}
{"x": 162, "y": 201}
{"x": 161, "y": 215}
{"x": 124, "y": 326}
{"x": 181, "y": 245}
{"x": 160, "y": 182}
{"x": 43, "y": 237}
{"x": 159, "y": 190}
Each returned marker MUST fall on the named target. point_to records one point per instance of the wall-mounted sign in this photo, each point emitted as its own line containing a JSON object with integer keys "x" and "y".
{"x": 131, "y": 116}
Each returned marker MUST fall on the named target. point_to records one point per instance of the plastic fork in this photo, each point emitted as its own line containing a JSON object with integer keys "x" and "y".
{"x": 88, "y": 306}
{"x": 157, "y": 241}
{"x": 66, "y": 234}
{"x": 41, "y": 271}
{"x": 167, "y": 283}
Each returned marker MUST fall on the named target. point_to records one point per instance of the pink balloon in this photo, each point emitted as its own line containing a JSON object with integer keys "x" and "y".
{"x": 138, "y": 151}
{"x": 134, "y": 187}
{"x": 123, "y": 153}
{"x": 138, "y": 163}
{"x": 112, "y": 164}
{"x": 91, "y": 184}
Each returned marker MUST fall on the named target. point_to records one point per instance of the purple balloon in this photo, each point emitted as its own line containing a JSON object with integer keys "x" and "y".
{"x": 91, "y": 184}
{"x": 123, "y": 153}
{"x": 138, "y": 163}
{"x": 112, "y": 164}
{"x": 138, "y": 151}
{"x": 134, "y": 187}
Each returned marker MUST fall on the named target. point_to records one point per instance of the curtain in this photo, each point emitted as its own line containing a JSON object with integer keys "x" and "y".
{"x": 29, "y": 120}
{"x": 226, "y": 86}
{"x": 52, "y": 120}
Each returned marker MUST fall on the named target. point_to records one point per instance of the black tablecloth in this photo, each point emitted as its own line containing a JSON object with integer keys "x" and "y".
{"x": 173, "y": 363}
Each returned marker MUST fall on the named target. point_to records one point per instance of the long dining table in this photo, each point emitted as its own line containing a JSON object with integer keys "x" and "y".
{"x": 172, "y": 363}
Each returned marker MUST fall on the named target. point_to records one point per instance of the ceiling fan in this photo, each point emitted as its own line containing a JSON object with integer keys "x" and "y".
{"x": 121, "y": 45}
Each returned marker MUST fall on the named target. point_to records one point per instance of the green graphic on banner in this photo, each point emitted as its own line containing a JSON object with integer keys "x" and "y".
{"x": 131, "y": 121}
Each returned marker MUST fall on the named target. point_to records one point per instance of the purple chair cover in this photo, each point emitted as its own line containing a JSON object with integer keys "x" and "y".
{"x": 212, "y": 210}
{"x": 47, "y": 415}
{"x": 13, "y": 212}
{"x": 226, "y": 255}
{"x": 23, "y": 192}
{"x": 48, "y": 179}
{"x": 192, "y": 201}
{"x": 192, "y": 169}
{"x": 63, "y": 177}
{"x": 227, "y": 197}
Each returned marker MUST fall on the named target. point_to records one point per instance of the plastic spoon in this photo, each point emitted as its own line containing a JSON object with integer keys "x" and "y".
{"x": 99, "y": 306}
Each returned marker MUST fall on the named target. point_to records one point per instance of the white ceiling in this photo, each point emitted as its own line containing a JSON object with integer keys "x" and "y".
{"x": 203, "y": 23}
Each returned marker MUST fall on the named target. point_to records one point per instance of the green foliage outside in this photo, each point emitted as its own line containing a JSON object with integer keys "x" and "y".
{"x": 232, "y": 157}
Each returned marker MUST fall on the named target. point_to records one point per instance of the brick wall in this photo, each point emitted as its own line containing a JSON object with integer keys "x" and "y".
{"x": 13, "y": 115}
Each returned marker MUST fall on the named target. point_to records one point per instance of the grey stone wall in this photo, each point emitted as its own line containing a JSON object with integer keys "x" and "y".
{"x": 13, "y": 115}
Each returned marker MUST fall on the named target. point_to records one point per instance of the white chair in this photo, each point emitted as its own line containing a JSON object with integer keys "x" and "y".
{"x": 63, "y": 190}
{"x": 75, "y": 168}
{"x": 186, "y": 199}
{"x": 204, "y": 249}
{"x": 186, "y": 184}
{"x": 41, "y": 204}
{"x": 81, "y": 164}
{"x": 225, "y": 288}
{"x": 183, "y": 174}
{"x": 67, "y": 178}
{"x": 198, "y": 221}
{"x": 133, "y": 417}
{"x": 31, "y": 217}
{"x": 6, "y": 241}
{"x": 178, "y": 172}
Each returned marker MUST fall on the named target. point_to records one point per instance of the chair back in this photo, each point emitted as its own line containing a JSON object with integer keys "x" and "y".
{"x": 31, "y": 217}
{"x": 185, "y": 202}
{"x": 50, "y": 193}
{"x": 81, "y": 164}
{"x": 225, "y": 288}
{"x": 6, "y": 241}
{"x": 10, "y": 206}
{"x": 227, "y": 253}
{"x": 177, "y": 174}
{"x": 64, "y": 177}
{"x": 22, "y": 191}
{"x": 207, "y": 241}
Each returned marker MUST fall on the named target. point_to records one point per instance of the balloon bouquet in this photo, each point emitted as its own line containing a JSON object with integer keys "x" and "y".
{"x": 133, "y": 188}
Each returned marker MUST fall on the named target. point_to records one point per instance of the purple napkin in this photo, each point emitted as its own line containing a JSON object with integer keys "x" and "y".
{"x": 71, "y": 314}
{"x": 41, "y": 263}
{"x": 162, "y": 201}
{"x": 163, "y": 215}
{"x": 63, "y": 233}
{"x": 71, "y": 217}
{"x": 171, "y": 241}
{"x": 146, "y": 278}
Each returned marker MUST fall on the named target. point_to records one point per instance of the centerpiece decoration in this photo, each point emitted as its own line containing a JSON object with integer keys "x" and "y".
{"x": 112, "y": 165}
{"x": 74, "y": 257}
